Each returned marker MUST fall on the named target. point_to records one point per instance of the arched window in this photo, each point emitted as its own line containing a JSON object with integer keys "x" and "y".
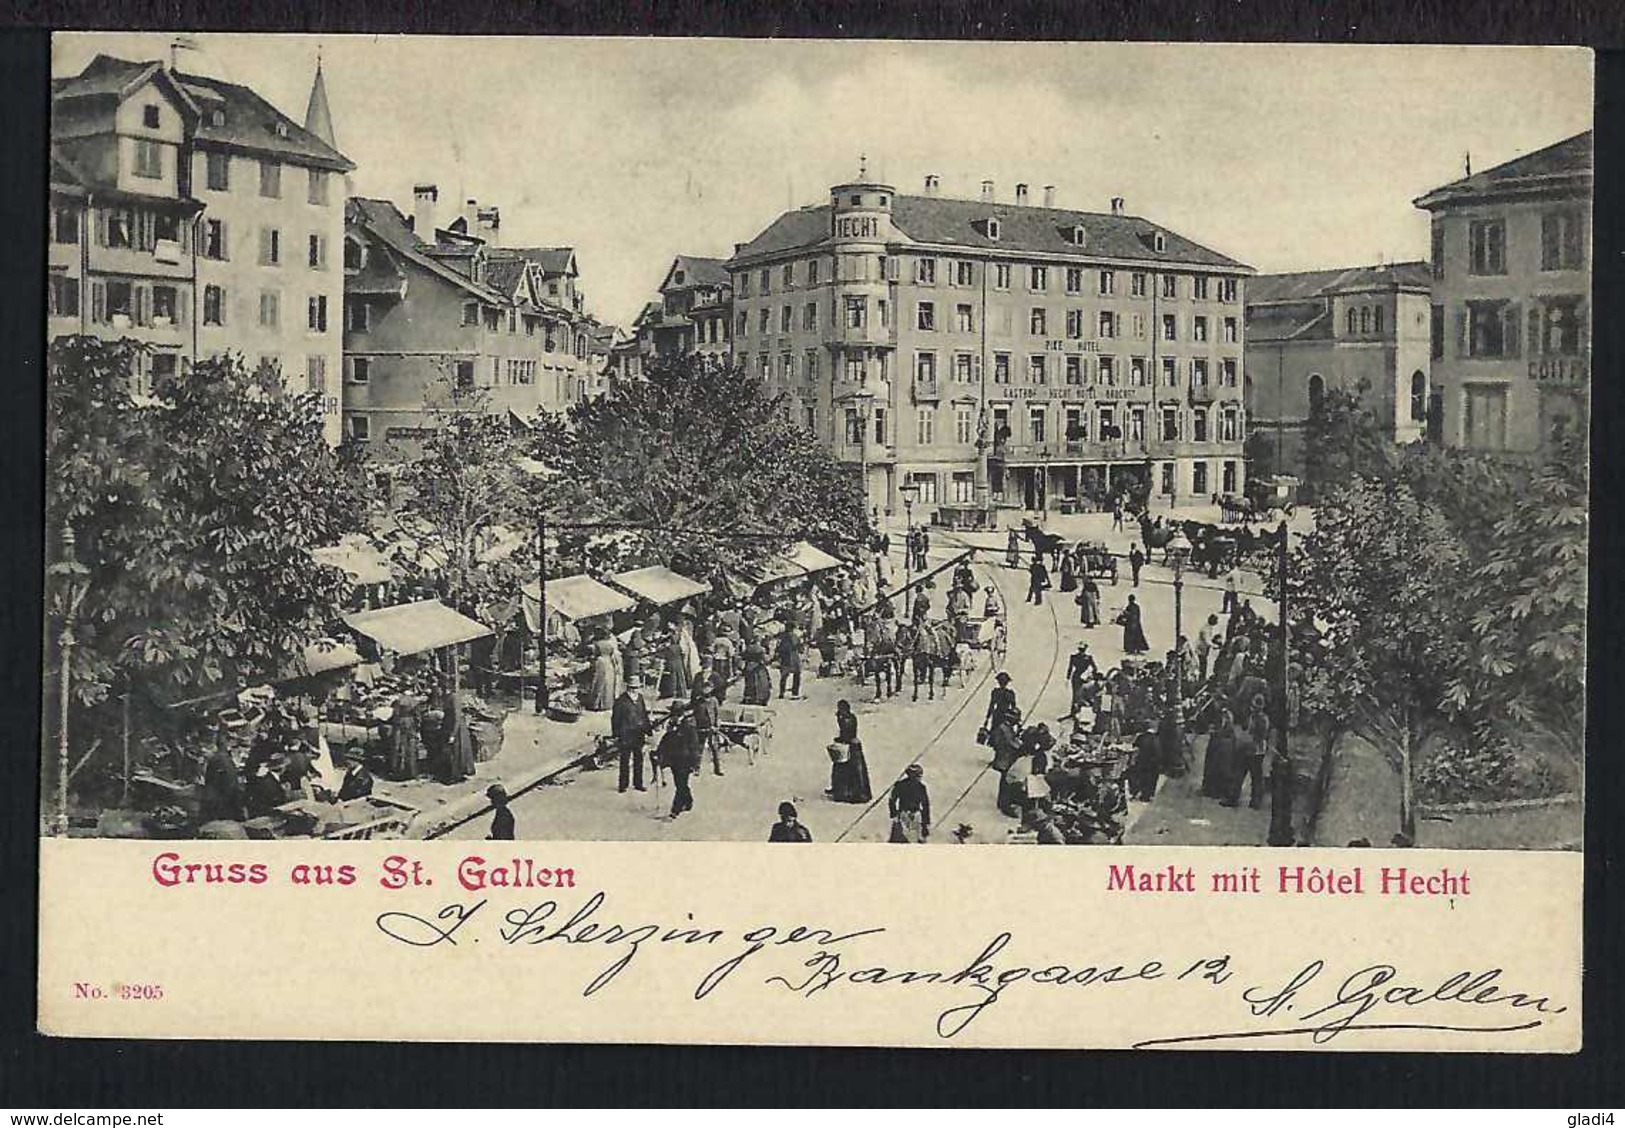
{"x": 1365, "y": 320}
{"x": 1354, "y": 321}
{"x": 1419, "y": 397}
{"x": 1317, "y": 391}
{"x": 1376, "y": 320}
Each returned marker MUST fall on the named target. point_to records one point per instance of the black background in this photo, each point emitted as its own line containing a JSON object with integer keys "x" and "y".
{"x": 44, "y": 1073}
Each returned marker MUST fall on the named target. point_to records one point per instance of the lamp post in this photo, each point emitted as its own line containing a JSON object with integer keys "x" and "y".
{"x": 910, "y": 493}
{"x": 1280, "y": 832}
{"x": 1177, "y": 549}
{"x": 538, "y": 472}
{"x": 72, "y": 580}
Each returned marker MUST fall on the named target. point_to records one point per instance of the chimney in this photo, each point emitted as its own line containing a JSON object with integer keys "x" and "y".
{"x": 471, "y": 216}
{"x": 1049, "y": 195}
{"x": 1021, "y": 195}
{"x": 424, "y": 197}
{"x": 987, "y": 191}
{"x": 1117, "y": 205}
{"x": 490, "y": 224}
{"x": 933, "y": 185}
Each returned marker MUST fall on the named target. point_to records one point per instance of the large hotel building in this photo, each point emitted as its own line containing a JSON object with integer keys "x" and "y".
{"x": 988, "y": 352}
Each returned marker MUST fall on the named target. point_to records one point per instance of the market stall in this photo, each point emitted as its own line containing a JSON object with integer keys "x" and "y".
{"x": 573, "y": 602}
{"x": 658, "y": 585}
{"x": 802, "y": 561}
{"x": 416, "y": 628}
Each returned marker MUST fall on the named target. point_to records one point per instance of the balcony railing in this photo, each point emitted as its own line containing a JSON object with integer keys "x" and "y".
{"x": 927, "y": 389}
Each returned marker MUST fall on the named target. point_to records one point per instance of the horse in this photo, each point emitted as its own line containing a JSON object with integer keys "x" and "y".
{"x": 931, "y": 646}
{"x": 1044, "y": 544}
{"x": 881, "y": 654}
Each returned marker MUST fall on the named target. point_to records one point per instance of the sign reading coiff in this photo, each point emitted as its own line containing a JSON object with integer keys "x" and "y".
{"x": 1560, "y": 370}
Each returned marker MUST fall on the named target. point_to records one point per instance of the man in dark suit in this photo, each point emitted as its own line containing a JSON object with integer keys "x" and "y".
{"x": 680, "y": 751}
{"x": 629, "y": 723}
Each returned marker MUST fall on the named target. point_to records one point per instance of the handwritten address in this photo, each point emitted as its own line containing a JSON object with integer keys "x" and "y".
{"x": 1316, "y": 1002}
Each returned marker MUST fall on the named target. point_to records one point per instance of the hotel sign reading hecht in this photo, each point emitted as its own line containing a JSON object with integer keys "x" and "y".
{"x": 857, "y": 227}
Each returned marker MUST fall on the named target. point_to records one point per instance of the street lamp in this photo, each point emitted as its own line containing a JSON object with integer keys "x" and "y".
{"x": 911, "y": 493}
{"x": 72, "y": 582}
{"x": 1178, "y": 549}
{"x": 538, "y": 472}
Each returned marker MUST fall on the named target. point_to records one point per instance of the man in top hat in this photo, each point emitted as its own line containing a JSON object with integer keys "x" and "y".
{"x": 629, "y": 723}
{"x": 501, "y": 818}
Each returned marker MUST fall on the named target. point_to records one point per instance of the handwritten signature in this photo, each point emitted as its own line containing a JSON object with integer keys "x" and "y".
{"x": 1374, "y": 998}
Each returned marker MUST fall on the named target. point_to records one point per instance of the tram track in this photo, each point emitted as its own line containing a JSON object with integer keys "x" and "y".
{"x": 970, "y": 693}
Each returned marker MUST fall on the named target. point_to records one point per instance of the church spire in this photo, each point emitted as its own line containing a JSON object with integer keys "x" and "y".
{"x": 318, "y": 118}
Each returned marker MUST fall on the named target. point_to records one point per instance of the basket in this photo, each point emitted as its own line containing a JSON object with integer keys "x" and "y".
{"x": 839, "y": 753}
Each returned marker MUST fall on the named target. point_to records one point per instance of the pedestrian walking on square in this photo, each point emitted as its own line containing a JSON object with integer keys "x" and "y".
{"x": 1001, "y": 704}
{"x": 1136, "y": 561}
{"x": 1204, "y": 645}
{"x": 992, "y": 606}
{"x": 1231, "y": 603}
{"x": 1037, "y": 580}
{"x": 790, "y": 654}
{"x": 1081, "y": 671}
{"x": 1012, "y": 550}
{"x": 1133, "y": 632}
{"x": 502, "y": 824}
{"x": 925, "y": 549}
{"x": 848, "y": 771}
{"x": 1069, "y": 573}
{"x": 789, "y": 828}
{"x": 680, "y": 752}
{"x": 1117, "y": 514}
{"x": 706, "y": 725}
{"x": 910, "y": 807}
{"x": 1088, "y": 601}
{"x": 629, "y": 724}
{"x": 723, "y": 649}
{"x": 758, "y": 681}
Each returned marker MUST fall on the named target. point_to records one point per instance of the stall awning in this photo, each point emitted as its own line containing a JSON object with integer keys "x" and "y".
{"x": 412, "y": 628}
{"x": 574, "y": 598}
{"x": 659, "y": 585}
{"x": 803, "y": 559}
{"x": 322, "y": 657}
{"x": 361, "y": 562}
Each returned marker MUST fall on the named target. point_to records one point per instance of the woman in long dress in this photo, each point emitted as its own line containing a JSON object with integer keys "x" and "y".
{"x": 758, "y": 681}
{"x": 1069, "y": 572}
{"x": 405, "y": 738}
{"x": 1133, "y": 633}
{"x": 849, "y": 778}
{"x": 458, "y": 763}
{"x": 678, "y": 671}
{"x": 606, "y": 676}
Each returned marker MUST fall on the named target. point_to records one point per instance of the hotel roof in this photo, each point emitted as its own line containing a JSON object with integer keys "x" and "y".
{"x": 1034, "y": 230}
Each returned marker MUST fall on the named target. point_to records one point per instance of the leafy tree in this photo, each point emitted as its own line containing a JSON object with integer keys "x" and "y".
{"x": 690, "y": 458}
{"x": 1343, "y": 440}
{"x": 1377, "y": 582}
{"x": 1527, "y": 661}
{"x": 194, "y": 515}
{"x": 463, "y": 489}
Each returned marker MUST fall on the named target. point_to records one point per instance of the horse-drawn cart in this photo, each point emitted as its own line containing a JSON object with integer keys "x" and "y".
{"x": 1098, "y": 561}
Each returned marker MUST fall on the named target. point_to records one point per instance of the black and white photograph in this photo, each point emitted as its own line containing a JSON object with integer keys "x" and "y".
{"x": 889, "y": 442}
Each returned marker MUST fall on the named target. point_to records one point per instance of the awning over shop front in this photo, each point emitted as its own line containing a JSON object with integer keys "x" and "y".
{"x": 574, "y": 598}
{"x": 659, "y": 585}
{"x": 802, "y": 560}
{"x": 412, "y": 628}
{"x": 357, "y": 559}
{"x": 320, "y": 657}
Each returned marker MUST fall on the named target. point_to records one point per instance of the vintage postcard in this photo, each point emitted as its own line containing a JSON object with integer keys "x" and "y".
{"x": 501, "y": 489}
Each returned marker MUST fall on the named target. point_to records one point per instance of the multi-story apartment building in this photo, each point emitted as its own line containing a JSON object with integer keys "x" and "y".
{"x": 1310, "y": 332}
{"x": 1511, "y": 341}
{"x": 170, "y": 225}
{"x": 981, "y": 350}
{"x": 453, "y": 308}
{"x": 695, "y": 311}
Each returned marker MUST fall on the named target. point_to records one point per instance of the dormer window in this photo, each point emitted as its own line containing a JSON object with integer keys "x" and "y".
{"x": 992, "y": 228}
{"x": 1079, "y": 235}
{"x": 149, "y": 117}
{"x": 282, "y": 129}
{"x": 217, "y": 118}
{"x": 856, "y": 200}
{"x": 1159, "y": 241}
{"x": 882, "y": 201}
{"x": 677, "y": 279}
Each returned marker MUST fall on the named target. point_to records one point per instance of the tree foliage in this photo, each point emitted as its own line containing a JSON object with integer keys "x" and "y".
{"x": 193, "y": 513}
{"x": 690, "y": 458}
{"x": 1344, "y": 440}
{"x": 463, "y": 488}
